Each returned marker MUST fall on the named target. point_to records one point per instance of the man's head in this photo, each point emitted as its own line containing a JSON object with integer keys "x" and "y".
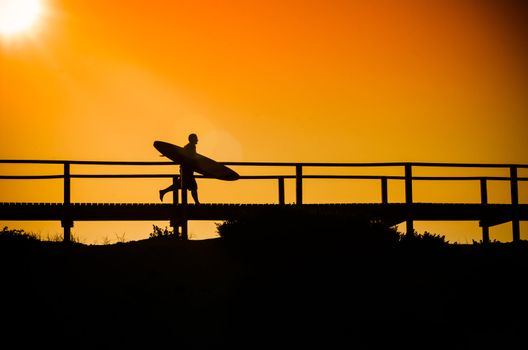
{"x": 193, "y": 138}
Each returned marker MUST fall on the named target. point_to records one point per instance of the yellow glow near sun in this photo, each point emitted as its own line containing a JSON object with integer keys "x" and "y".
{"x": 18, "y": 16}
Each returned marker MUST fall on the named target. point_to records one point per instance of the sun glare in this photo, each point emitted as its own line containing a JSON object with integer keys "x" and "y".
{"x": 18, "y": 16}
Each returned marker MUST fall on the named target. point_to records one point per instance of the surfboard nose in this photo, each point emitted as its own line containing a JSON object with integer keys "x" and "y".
{"x": 160, "y": 145}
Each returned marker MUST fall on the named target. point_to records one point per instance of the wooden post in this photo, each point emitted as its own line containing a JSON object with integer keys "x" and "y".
{"x": 515, "y": 204}
{"x": 484, "y": 201}
{"x": 175, "y": 194}
{"x": 298, "y": 184}
{"x": 67, "y": 222}
{"x": 409, "y": 198}
{"x": 175, "y": 221}
{"x": 281, "y": 190}
{"x": 384, "y": 192}
{"x": 184, "y": 231}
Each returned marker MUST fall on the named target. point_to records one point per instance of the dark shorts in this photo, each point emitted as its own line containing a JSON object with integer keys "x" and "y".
{"x": 189, "y": 181}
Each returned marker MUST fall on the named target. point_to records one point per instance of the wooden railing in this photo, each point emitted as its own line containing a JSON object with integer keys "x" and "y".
{"x": 298, "y": 175}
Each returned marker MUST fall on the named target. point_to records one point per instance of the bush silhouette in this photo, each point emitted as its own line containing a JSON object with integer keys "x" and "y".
{"x": 158, "y": 232}
{"x": 16, "y": 235}
{"x": 425, "y": 239}
{"x": 305, "y": 227}
{"x": 355, "y": 231}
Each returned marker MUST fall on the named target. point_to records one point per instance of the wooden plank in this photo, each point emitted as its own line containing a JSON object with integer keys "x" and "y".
{"x": 489, "y": 215}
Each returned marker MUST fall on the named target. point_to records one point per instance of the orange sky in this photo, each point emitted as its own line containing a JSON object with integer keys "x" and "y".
{"x": 323, "y": 81}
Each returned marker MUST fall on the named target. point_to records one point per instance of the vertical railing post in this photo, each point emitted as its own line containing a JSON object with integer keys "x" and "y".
{"x": 281, "y": 190}
{"x": 175, "y": 193}
{"x": 184, "y": 231}
{"x": 67, "y": 222}
{"x": 409, "y": 198}
{"x": 384, "y": 191}
{"x": 298, "y": 184}
{"x": 175, "y": 220}
{"x": 515, "y": 204}
{"x": 484, "y": 201}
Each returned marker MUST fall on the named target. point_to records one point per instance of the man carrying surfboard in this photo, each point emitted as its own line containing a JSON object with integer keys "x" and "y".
{"x": 188, "y": 181}
{"x": 190, "y": 161}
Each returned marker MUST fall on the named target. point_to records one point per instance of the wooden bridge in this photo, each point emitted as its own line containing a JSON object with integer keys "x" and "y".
{"x": 180, "y": 212}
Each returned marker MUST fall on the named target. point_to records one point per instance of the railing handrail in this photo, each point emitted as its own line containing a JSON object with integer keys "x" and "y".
{"x": 265, "y": 177}
{"x": 278, "y": 164}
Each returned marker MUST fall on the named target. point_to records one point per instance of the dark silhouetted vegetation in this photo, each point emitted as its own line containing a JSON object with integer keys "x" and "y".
{"x": 17, "y": 235}
{"x": 158, "y": 232}
{"x": 273, "y": 282}
{"x": 423, "y": 239}
{"x": 354, "y": 231}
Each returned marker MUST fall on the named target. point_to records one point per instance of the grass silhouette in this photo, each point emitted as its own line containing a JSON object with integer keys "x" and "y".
{"x": 266, "y": 282}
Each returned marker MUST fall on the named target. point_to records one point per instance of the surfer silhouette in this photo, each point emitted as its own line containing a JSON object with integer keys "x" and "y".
{"x": 187, "y": 179}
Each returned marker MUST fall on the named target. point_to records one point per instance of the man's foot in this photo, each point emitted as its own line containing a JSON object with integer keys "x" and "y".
{"x": 162, "y": 193}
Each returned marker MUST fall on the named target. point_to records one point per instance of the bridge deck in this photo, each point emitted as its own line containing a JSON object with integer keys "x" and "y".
{"x": 392, "y": 214}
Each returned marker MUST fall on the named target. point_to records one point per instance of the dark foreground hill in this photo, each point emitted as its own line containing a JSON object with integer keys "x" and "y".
{"x": 322, "y": 291}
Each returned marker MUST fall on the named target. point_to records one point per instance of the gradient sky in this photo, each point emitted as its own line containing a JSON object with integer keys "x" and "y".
{"x": 318, "y": 81}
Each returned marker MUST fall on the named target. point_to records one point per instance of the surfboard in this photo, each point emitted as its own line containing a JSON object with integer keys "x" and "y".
{"x": 200, "y": 163}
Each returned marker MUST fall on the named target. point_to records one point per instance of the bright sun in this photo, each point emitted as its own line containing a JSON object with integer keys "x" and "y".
{"x": 18, "y": 16}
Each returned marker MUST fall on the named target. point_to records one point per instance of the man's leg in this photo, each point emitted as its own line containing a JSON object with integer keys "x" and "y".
{"x": 164, "y": 191}
{"x": 194, "y": 194}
